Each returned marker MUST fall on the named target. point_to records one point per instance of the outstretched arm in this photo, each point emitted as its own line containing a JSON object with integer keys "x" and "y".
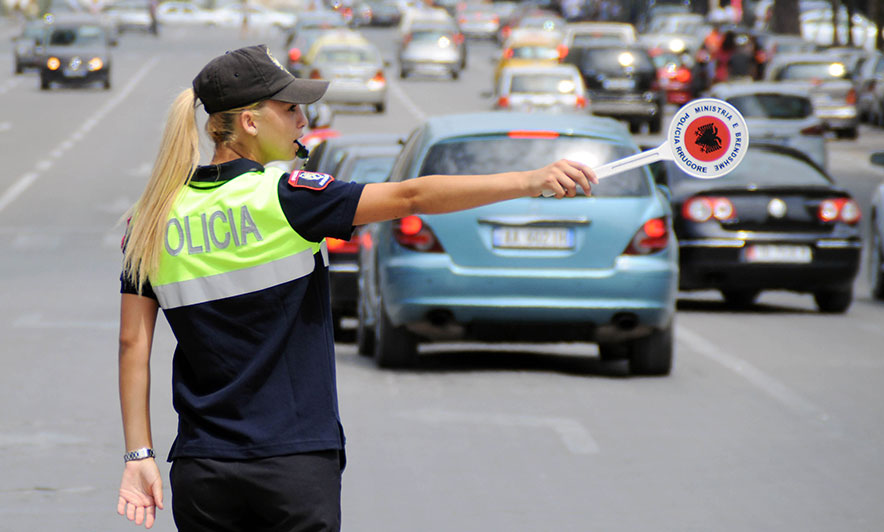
{"x": 141, "y": 489}
{"x": 438, "y": 194}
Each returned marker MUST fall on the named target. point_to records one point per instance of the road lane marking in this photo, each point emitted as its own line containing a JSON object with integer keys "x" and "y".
{"x": 573, "y": 434}
{"x": 409, "y": 104}
{"x": 24, "y": 182}
{"x": 761, "y": 380}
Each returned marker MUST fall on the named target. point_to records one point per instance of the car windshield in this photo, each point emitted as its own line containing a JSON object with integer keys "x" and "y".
{"x": 76, "y": 36}
{"x": 542, "y": 23}
{"x": 346, "y": 55}
{"x": 779, "y": 106}
{"x": 34, "y": 30}
{"x": 372, "y": 169}
{"x": 809, "y": 71}
{"x": 496, "y": 153}
{"x": 616, "y": 60}
{"x": 761, "y": 168}
{"x": 430, "y": 37}
{"x": 543, "y": 84}
{"x": 535, "y": 52}
{"x": 582, "y": 40}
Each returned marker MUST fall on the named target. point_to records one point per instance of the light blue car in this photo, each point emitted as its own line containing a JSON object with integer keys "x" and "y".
{"x": 599, "y": 269}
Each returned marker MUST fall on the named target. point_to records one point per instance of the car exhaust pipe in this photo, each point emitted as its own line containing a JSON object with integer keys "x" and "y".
{"x": 625, "y": 321}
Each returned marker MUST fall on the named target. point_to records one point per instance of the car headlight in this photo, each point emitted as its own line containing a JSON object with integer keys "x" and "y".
{"x": 53, "y": 63}
{"x": 95, "y": 64}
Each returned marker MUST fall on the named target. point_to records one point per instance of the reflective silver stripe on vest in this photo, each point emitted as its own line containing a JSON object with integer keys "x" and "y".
{"x": 323, "y": 247}
{"x": 235, "y": 283}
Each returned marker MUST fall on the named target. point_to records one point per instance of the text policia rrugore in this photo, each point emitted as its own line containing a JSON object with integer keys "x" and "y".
{"x": 678, "y": 135}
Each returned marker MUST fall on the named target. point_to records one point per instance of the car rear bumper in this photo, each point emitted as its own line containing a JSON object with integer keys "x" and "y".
{"x": 714, "y": 264}
{"x": 59, "y": 76}
{"x": 444, "y": 301}
{"x": 626, "y": 107}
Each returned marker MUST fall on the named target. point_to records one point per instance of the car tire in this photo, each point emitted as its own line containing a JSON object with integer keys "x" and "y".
{"x": 655, "y": 124}
{"x": 875, "y": 261}
{"x": 455, "y": 74}
{"x": 44, "y": 84}
{"x": 652, "y": 354}
{"x": 611, "y": 352}
{"x": 341, "y": 334}
{"x": 18, "y": 68}
{"x": 635, "y": 126}
{"x": 848, "y": 133}
{"x": 395, "y": 347}
{"x": 403, "y": 73}
{"x": 364, "y": 334}
{"x": 740, "y": 298}
{"x": 106, "y": 84}
{"x": 380, "y": 107}
{"x": 834, "y": 300}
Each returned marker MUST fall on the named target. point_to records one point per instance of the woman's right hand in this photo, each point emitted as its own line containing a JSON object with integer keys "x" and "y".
{"x": 141, "y": 492}
{"x": 561, "y": 179}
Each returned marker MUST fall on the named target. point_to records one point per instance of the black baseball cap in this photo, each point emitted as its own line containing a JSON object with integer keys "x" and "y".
{"x": 248, "y": 75}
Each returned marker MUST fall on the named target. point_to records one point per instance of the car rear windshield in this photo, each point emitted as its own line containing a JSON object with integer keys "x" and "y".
{"x": 502, "y": 153}
{"x": 346, "y": 55}
{"x": 76, "y": 36}
{"x": 616, "y": 60}
{"x": 820, "y": 70}
{"x": 535, "y": 52}
{"x": 761, "y": 168}
{"x": 429, "y": 36}
{"x": 779, "y": 106}
{"x": 543, "y": 84}
{"x": 372, "y": 169}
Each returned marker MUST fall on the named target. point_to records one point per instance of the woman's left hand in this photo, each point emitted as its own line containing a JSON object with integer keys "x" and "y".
{"x": 141, "y": 492}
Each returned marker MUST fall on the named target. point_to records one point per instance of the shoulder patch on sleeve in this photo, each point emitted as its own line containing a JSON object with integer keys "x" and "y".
{"x": 311, "y": 180}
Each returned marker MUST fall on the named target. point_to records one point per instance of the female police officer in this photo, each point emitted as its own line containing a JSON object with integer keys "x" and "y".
{"x": 234, "y": 254}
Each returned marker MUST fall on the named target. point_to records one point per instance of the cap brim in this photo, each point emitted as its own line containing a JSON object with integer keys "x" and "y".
{"x": 302, "y": 91}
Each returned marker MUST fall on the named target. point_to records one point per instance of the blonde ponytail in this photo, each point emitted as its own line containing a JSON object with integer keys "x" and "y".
{"x": 178, "y": 156}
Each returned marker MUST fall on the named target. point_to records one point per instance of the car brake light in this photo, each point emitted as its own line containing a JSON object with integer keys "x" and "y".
{"x": 844, "y": 209}
{"x": 851, "y": 97}
{"x": 503, "y": 101}
{"x": 508, "y": 53}
{"x": 294, "y": 55}
{"x": 314, "y": 74}
{"x": 406, "y": 39}
{"x": 527, "y": 134}
{"x": 581, "y": 102}
{"x": 815, "y": 130}
{"x": 411, "y": 233}
{"x": 563, "y": 51}
{"x": 458, "y": 38}
{"x": 505, "y": 31}
{"x": 653, "y": 236}
{"x": 336, "y": 245}
{"x": 683, "y": 75}
{"x": 702, "y": 208}
{"x": 379, "y": 77}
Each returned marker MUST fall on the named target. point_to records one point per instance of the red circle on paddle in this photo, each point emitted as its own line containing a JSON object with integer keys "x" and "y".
{"x": 707, "y": 138}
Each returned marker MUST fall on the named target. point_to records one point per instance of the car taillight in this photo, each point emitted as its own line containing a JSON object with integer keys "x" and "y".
{"x": 314, "y": 74}
{"x": 458, "y": 38}
{"x": 851, "y": 97}
{"x": 815, "y": 130}
{"x": 581, "y": 102}
{"x": 505, "y": 31}
{"x": 411, "y": 233}
{"x": 343, "y": 246}
{"x": 653, "y": 236}
{"x": 563, "y": 51}
{"x": 532, "y": 134}
{"x": 503, "y": 101}
{"x": 702, "y": 208}
{"x": 508, "y": 53}
{"x": 834, "y": 209}
{"x": 294, "y": 55}
{"x": 406, "y": 39}
{"x": 683, "y": 75}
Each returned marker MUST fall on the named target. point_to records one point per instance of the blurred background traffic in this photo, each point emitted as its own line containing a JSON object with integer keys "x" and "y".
{"x": 761, "y": 289}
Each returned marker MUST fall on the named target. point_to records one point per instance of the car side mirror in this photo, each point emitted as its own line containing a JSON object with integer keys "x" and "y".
{"x": 877, "y": 158}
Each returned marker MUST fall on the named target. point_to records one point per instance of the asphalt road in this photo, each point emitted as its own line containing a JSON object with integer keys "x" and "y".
{"x": 771, "y": 419}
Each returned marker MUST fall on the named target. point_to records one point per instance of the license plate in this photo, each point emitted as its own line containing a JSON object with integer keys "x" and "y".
{"x": 618, "y": 84}
{"x": 773, "y": 253}
{"x": 533, "y": 237}
{"x": 74, "y": 73}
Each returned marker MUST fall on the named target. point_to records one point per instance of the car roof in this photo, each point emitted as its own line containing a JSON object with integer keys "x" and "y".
{"x": 341, "y": 36}
{"x": 542, "y": 69}
{"x": 529, "y": 38}
{"x": 75, "y": 19}
{"x": 728, "y": 90}
{"x": 805, "y": 57}
{"x": 473, "y": 124}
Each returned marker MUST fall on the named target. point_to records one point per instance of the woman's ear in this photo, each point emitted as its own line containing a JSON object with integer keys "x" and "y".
{"x": 248, "y": 123}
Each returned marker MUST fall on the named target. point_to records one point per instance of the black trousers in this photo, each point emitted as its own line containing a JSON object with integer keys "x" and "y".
{"x": 299, "y": 492}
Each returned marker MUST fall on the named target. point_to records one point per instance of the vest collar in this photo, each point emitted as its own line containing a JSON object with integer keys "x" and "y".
{"x": 225, "y": 171}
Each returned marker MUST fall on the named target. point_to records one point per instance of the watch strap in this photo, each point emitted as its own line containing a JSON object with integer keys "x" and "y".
{"x": 139, "y": 454}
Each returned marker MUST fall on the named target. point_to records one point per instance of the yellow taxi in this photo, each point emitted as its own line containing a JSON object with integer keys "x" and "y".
{"x": 534, "y": 48}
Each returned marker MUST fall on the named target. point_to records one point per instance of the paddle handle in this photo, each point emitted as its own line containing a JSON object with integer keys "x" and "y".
{"x": 627, "y": 163}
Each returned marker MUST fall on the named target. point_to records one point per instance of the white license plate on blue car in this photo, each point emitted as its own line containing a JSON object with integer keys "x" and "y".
{"x": 533, "y": 237}
{"x": 778, "y": 253}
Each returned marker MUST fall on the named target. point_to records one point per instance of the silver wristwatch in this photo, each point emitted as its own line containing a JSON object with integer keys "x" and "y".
{"x": 138, "y": 454}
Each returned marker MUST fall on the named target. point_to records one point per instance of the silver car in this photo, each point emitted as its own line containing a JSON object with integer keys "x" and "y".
{"x": 433, "y": 49}
{"x": 778, "y": 113}
{"x": 551, "y": 88}
{"x": 354, "y": 67}
{"x": 831, "y": 88}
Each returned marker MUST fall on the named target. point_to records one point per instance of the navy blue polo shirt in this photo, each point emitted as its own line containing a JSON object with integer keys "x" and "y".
{"x": 254, "y": 374}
